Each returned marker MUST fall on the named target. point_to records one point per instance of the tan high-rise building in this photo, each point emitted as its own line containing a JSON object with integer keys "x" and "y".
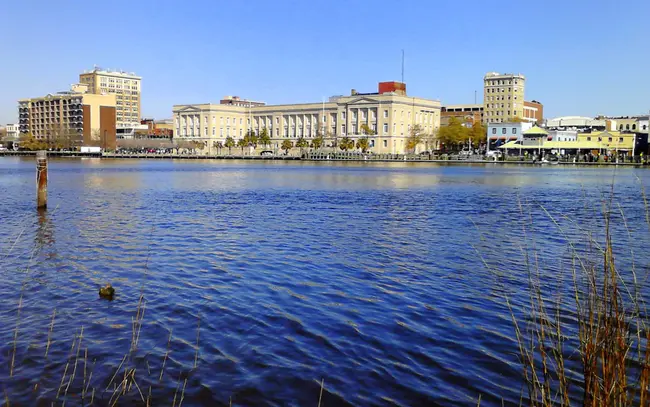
{"x": 503, "y": 97}
{"x": 388, "y": 114}
{"x": 126, "y": 87}
{"x": 72, "y": 118}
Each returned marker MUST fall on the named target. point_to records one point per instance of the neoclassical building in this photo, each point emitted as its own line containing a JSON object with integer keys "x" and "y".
{"x": 389, "y": 113}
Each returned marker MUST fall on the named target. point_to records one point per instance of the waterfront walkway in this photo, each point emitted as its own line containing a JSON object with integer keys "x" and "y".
{"x": 343, "y": 156}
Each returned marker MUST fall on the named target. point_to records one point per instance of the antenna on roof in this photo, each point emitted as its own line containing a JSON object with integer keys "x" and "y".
{"x": 402, "y": 65}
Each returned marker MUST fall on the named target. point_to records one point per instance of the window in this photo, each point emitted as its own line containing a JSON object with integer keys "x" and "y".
{"x": 634, "y": 127}
{"x": 363, "y": 115}
{"x": 228, "y": 120}
{"x": 385, "y": 114}
{"x": 514, "y": 130}
{"x": 354, "y": 129}
{"x": 645, "y": 127}
{"x": 503, "y": 130}
{"x": 600, "y": 139}
{"x": 214, "y": 131}
{"x": 241, "y": 121}
{"x": 277, "y": 120}
{"x": 214, "y": 119}
{"x": 610, "y": 140}
{"x": 627, "y": 127}
{"x": 343, "y": 115}
{"x": 620, "y": 139}
{"x": 343, "y": 129}
{"x": 221, "y": 132}
{"x": 494, "y": 130}
{"x": 385, "y": 128}
{"x": 354, "y": 115}
{"x": 385, "y": 143}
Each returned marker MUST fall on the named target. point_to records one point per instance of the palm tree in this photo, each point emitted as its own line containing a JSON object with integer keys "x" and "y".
{"x": 286, "y": 146}
{"x": 230, "y": 143}
{"x": 363, "y": 144}
{"x": 317, "y": 142}
{"x": 346, "y": 143}
{"x": 264, "y": 138}
{"x": 242, "y": 143}
{"x": 302, "y": 143}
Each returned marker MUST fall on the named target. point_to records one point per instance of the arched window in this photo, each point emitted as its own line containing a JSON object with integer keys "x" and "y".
{"x": 645, "y": 127}
{"x": 627, "y": 127}
{"x": 620, "y": 127}
{"x": 634, "y": 127}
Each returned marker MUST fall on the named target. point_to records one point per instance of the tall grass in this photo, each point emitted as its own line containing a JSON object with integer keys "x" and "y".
{"x": 590, "y": 346}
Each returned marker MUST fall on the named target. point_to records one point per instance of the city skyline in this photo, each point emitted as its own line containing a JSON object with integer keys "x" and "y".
{"x": 575, "y": 61}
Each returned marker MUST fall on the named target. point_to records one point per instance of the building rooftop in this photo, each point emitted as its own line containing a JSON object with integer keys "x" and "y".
{"x": 112, "y": 72}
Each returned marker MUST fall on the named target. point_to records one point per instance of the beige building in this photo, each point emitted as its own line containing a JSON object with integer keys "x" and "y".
{"x": 503, "y": 97}
{"x": 389, "y": 113}
{"x": 76, "y": 114}
{"x": 125, "y": 86}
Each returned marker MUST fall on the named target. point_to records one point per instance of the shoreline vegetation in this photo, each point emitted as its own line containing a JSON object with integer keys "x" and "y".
{"x": 587, "y": 341}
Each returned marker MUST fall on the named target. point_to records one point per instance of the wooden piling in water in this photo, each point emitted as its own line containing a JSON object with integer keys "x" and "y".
{"x": 41, "y": 179}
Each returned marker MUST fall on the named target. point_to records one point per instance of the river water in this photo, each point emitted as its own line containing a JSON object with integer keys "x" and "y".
{"x": 383, "y": 281}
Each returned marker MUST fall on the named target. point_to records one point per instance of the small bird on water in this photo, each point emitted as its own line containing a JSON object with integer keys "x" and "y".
{"x": 107, "y": 291}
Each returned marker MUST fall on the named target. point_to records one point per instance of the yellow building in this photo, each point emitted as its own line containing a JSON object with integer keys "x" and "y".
{"x": 503, "y": 97}
{"x": 125, "y": 86}
{"x": 74, "y": 114}
{"x": 388, "y": 114}
{"x": 602, "y": 142}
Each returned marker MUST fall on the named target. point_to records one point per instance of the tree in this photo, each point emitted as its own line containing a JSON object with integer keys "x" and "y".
{"x": 478, "y": 133}
{"x": 218, "y": 145}
{"x": 29, "y": 142}
{"x": 367, "y": 131}
{"x": 264, "y": 138}
{"x": 251, "y": 138}
{"x": 286, "y": 146}
{"x": 346, "y": 144}
{"x": 317, "y": 142}
{"x": 362, "y": 144}
{"x": 416, "y": 136}
{"x": 452, "y": 135}
{"x": 241, "y": 143}
{"x": 302, "y": 143}
{"x": 230, "y": 143}
{"x": 516, "y": 119}
{"x": 430, "y": 141}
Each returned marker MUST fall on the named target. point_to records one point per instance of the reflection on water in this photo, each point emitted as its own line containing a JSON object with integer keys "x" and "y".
{"x": 366, "y": 275}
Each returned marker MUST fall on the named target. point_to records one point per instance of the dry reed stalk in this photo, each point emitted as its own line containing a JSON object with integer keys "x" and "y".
{"x": 13, "y": 353}
{"x": 49, "y": 334}
{"x": 67, "y": 365}
{"x": 178, "y": 384}
{"x": 76, "y": 359}
{"x": 198, "y": 330}
{"x": 322, "y": 385}
{"x": 180, "y": 403}
{"x": 162, "y": 369}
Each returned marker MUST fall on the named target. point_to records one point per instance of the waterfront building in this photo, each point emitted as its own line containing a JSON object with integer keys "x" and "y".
{"x": 467, "y": 114}
{"x": 503, "y": 97}
{"x": 126, "y": 86}
{"x": 159, "y": 128}
{"x": 389, "y": 114}
{"x": 598, "y": 142}
{"x": 237, "y": 101}
{"x": 76, "y": 115}
{"x": 502, "y": 133}
{"x": 12, "y": 131}
{"x": 579, "y": 123}
{"x": 629, "y": 123}
{"x": 533, "y": 112}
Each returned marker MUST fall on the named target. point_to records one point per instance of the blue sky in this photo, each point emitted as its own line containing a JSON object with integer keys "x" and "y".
{"x": 579, "y": 57}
